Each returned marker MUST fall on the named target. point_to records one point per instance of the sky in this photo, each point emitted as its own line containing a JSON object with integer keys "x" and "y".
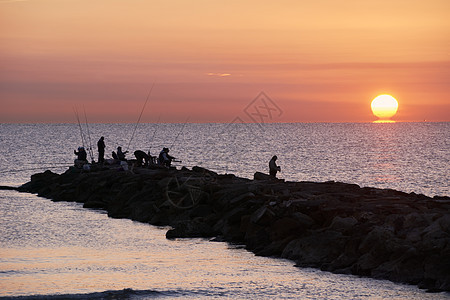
{"x": 219, "y": 61}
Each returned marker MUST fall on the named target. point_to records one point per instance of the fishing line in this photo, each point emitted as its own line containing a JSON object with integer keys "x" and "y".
{"x": 139, "y": 119}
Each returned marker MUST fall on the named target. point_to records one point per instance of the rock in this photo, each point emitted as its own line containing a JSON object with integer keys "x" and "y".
{"x": 334, "y": 226}
{"x": 437, "y": 271}
{"x": 234, "y": 216}
{"x": 315, "y": 249}
{"x": 263, "y": 216}
{"x": 191, "y": 229}
{"x": 434, "y": 237}
{"x": 381, "y": 243}
{"x": 4, "y": 187}
{"x": 39, "y": 183}
{"x": 143, "y": 211}
{"x": 201, "y": 211}
{"x": 444, "y": 223}
{"x": 243, "y": 197}
{"x": 262, "y": 176}
{"x": 343, "y": 224}
{"x": 256, "y": 237}
{"x": 275, "y": 248}
{"x": 407, "y": 268}
{"x": 95, "y": 202}
{"x": 344, "y": 262}
{"x": 283, "y": 228}
{"x": 204, "y": 171}
{"x": 304, "y": 221}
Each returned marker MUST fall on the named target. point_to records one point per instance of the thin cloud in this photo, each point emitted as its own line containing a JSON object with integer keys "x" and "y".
{"x": 11, "y": 1}
{"x": 219, "y": 74}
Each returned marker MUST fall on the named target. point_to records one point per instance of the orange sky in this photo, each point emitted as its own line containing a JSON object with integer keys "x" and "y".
{"x": 318, "y": 61}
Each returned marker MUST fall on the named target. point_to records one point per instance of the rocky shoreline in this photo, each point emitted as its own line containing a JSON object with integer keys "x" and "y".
{"x": 337, "y": 227}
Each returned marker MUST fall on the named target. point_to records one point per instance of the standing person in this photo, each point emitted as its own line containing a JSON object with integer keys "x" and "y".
{"x": 273, "y": 168}
{"x": 101, "y": 150}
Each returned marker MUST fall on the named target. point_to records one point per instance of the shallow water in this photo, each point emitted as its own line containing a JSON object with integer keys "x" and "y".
{"x": 51, "y": 249}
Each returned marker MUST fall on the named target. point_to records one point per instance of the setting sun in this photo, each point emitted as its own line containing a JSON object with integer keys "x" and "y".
{"x": 384, "y": 106}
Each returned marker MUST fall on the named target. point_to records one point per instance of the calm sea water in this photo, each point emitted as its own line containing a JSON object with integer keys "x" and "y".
{"x": 49, "y": 249}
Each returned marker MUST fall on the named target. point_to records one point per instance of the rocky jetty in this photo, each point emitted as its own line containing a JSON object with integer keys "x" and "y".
{"x": 337, "y": 227}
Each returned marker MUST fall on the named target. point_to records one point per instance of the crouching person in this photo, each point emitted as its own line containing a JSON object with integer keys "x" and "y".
{"x": 81, "y": 159}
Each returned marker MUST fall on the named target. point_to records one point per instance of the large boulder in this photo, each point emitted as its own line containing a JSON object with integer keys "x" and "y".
{"x": 316, "y": 249}
{"x": 191, "y": 229}
{"x": 39, "y": 183}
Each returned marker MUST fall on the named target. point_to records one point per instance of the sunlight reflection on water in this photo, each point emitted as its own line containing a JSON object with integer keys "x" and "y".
{"x": 48, "y": 248}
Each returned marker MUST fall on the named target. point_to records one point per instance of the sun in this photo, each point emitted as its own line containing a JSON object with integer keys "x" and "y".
{"x": 384, "y": 106}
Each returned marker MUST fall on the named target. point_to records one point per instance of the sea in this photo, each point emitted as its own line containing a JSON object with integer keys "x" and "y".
{"x": 59, "y": 250}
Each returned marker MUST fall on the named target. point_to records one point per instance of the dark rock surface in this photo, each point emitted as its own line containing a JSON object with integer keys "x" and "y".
{"x": 337, "y": 227}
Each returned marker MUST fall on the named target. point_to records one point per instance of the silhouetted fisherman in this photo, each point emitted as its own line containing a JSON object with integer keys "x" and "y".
{"x": 81, "y": 159}
{"x": 81, "y": 154}
{"x": 143, "y": 158}
{"x": 120, "y": 154}
{"x": 164, "y": 158}
{"x": 101, "y": 150}
{"x": 273, "y": 168}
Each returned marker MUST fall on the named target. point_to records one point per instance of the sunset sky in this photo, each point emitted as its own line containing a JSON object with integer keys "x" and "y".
{"x": 318, "y": 61}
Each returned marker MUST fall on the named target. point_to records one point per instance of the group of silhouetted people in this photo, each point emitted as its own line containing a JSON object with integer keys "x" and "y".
{"x": 120, "y": 155}
{"x": 142, "y": 158}
{"x": 145, "y": 159}
{"x": 82, "y": 154}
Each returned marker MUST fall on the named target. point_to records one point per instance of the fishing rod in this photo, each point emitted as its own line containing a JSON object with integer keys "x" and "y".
{"x": 139, "y": 119}
{"x": 52, "y": 164}
{"x": 182, "y": 128}
{"x": 154, "y": 133}
{"x": 89, "y": 135}
{"x": 79, "y": 124}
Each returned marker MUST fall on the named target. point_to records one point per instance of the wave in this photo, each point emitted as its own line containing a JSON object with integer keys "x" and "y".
{"x": 128, "y": 293}
{"x": 118, "y": 294}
